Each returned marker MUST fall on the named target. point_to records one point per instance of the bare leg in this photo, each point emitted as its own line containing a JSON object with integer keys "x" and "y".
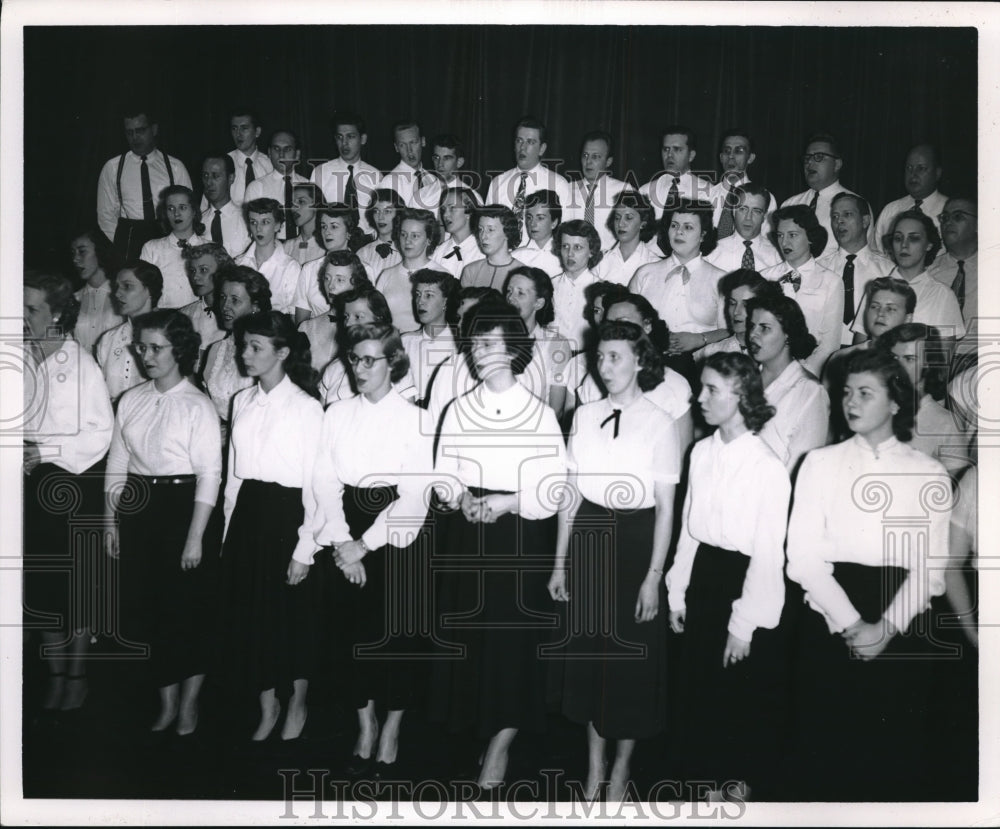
{"x": 187, "y": 721}
{"x": 295, "y": 719}
{"x": 270, "y": 710}
{"x": 494, "y": 768}
{"x": 596, "y": 765}
{"x": 76, "y": 673}
{"x": 169, "y": 702}
{"x": 388, "y": 744}
{"x": 367, "y": 731}
{"x": 620, "y": 770}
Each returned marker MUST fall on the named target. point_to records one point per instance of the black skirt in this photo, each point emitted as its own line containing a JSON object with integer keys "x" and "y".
{"x": 165, "y": 607}
{"x": 861, "y": 727}
{"x": 728, "y": 718}
{"x": 268, "y": 626}
{"x": 615, "y": 673}
{"x": 64, "y": 555}
{"x": 492, "y": 614}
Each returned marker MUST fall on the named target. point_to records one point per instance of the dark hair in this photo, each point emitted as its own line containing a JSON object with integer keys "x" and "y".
{"x": 318, "y": 199}
{"x": 896, "y": 381}
{"x": 432, "y": 228}
{"x": 934, "y": 149}
{"x": 59, "y": 296}
{"x": 343, "y": 259}
{"x": 107, "y": 256}
{"x": 659, "y": 334}
{"x": 826, "y": 138}
{"x": 511, "y": 226}
{"x": 392, "y": 346}
{"x": 374, "y": 299}
{"x": 133, "y": 109}
{"x": 148, "y": 274}
{"x": 545, "y": 198}
{"x": 791, "y": 319}
{"x": 489, "y": 316}
{"x": 280, "y": 329}
{"x": 703, "y": 210}
{"x": 225, "y": 158}
{"x": 752, "y": 188}
{"x": 804, "y": 217}
{"x": 528, "y": 122}
{"x": 464, "y": 193}
{"x": 753, "y": 404}
{"x": 255, "y": 284}
{"x": 179, "y": 190}
{"x": 177, "y": 327}
{"x": 651, "y": 365}
{"x": 250, "y": 113}
{"x": 270, "y": 207}
{"x": 864, "y": 208}
{"x": 634, "y": 200}
{"x": 213, "y": 249}
{"x": 741, "y": 278}
{"x": 288, "y": 132}
{"x": 608, "y": 292}
{"x": 348, "y": 119}
{"x": 338, "y": 210}
{"x": 933, "y": 356}
{"x": 736, "y": 132}
{"x": 680, "y": 129}
{"x": 584, "y": 229}
{"x": 900, "y": 287}
{"x": 930, "y": 229}
{"x": 449, "y": 142}
{"x": 543, "y": 288}
{"x": 598, "y": 135}
{"x": 385, "y": 194}
{"x": 449, "y": 289}
{"x": 477, "y": 293}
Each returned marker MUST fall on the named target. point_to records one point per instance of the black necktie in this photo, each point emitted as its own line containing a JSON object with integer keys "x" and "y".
{"x": 958, "y": 285}
{"x": 849, "y": 289}
{"x": 674, "y": 195}
{"x": 454, "y": 252}
{"x": 350, "y": 190}
{"x": 616, "y": 416}
{"x": 747, "y": 264}
{"x": 815, "y": 198}
{"x": 420, "y": 179}
{"x": 726, "y": 225}
{"x": 917, "y": 203}
{"x": 148, "y": 210}
{"x": 217, "y": 227}
{"x": 290, "y": 232}
{"x": 250, "y": 176}
{"x": 793, "y": 278}
{"x": 383, "y": 249}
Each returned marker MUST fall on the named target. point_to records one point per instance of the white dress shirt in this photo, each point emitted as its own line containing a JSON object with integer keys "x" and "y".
{"x": 395, "y": 285}
{"x": 737, "y": 499}
{"x": 931, "y": 206}
{"x": 607, "y": 189}
{"x": 118, "y": 364}
{"x": 332, "y": 177}
{"x": 935, "y": 433}
{"x": 109, "y": 208}
{"x": 944, "y": 269}
{"x": 535, "y": 256}
{"x": 322, "y": 334}
{"x": 508, "y": 441}
{"x": 68, "y": 414}
{"x": 964, "y": 515}
{"x": 730, "y": 345}
{"x": 613, "y": 268}
{"x": 165, "y": 253}
{"x": 235, "y": 237}
{"x": 802, "y": 417}
{"x": 884, "y": 506}
{"x": 823, "y": 212}
{"x": 936, "y": 305}
{"x": 167, "y": 433}
{"x": 303, "y": 249}
{"x": 569, "y": 303}
{"x": 375, "y": 263}
{"x": 274, "y": 439}
{"x": 503, "y": 188}
{"x": 445, "y": 258}
{"x": 403, "y": 179}
{"x": 728, "y": 253}
{"x": 222, "y": 375}
{"x": 717, "y": 196}
{"x": 204, "y": 321}
{"x": 282, "y": 274}
{"x": 690, "y": 186}
{"x": 308, "y": 295}
{"x": 365, "y": 444}
{"x": 551, "y": 363}
{"x": 695, "y": 307}
{"x": 426, "y": 353}
{"x": 868, "y": 265}
{"x": 271, "y": 186}
{"x": 97, "y": 315}
{"x": 261, "y": 164}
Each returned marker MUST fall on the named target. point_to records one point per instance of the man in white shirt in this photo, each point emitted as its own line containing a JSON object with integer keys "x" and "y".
{"x": 347, "y": 178}
{"x": 249, "y": 162}
{"x": 593, "y": 196}
{"x": 748, "y": 248}
{"x": 678, "y": 148}
{"x": 129, "y": 186}
{"x": 460, "y": 246}
{"x": 854, "y": 260}
{"x": 448, "y": 158}
{"x": 958, "y": 266}
{"x": 222, "y": 218}
{"x": 821, "y": 165}
{"x": 417, "y": 187}
{"x": 283, "y": 150}
{"x": 735, "y": 155}
{"x": 920, "y": 177}
{"x": 513, "y": 186}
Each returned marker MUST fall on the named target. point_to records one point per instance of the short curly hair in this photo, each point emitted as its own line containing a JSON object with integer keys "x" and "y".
{"x": 703, "y": 210}
{"x": 789, "y": 316}
{"x": 509, "y": 222}
{"x": 343, "y": 259}
{"x": 651, "y": 366}
{"x": 933, "y": 354}
{"x": 59, "y": 296}
{"x": 584, "y": 229}
{"x": 179, "y": 190}
{"x": 804, "y": 217}
{"x": 383, "y": 194}
{"x": 392, "y": 346}
{"x": 432, "y": 228}
{"x": 753, "y": 404}
{"x": 356, "y": 238}
{"x": 148, "y": 274}
{"x": 213, "y": 249}
{"x": 184, "y": 341}
{"x": 896, "y": 381}
{"x": 254, "y": 283}
{"x": 487, "y": 316}
{"x": 543, "y": 289}
{"x": 633, "y": 200}
{"x": 930, "y": 229}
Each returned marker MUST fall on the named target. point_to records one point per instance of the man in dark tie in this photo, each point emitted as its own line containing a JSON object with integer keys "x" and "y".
{"x": 920, "y": 177}
{"x": 130, "y": 184}
{"x": 284, "y": 152}
{"x": 417, "y": 186}
{"x": 594, "y": 195}
{"x": 249, "y": 162}
{"x": 735, "y": 156}
{"x": 460, "y": 246}
{"x": 748, "y": 248}
{"x": 223, "y": 220}
{"x": 348, "y": 178}
{"x": 958, "y": 266}
{"x": 678, "y": 149}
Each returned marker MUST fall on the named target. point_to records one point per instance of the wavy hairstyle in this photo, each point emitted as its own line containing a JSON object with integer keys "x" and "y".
{"x": 343, "y": 259}
{"x": 254, "y": 283}
{"x": 543, "y": 289}
{"x": 59, "y": 296}
{"x": 608, "y": 292}
{"x": 933, "y": 356}
{"x": 448, "y": 285}
{"x": 634, "y": 200}
{"x": 489, "y": 316}
{"x": 392, "y": 346}
{"x": 738, "y": 367}
{"x": 703, "y": 210}
{"x": 373, "y": 298}
{"x": 896, "y": 381}
{"x": 650, "y": 363}
{"x": 930, "y": 230}
{"x": 384, "y": 194}
{"x": 356, "y": 238}
{"x": 789, "y": 316}
{"x": 804, "y": 217}
{"x": 213, "y": 249}
{"x": 179, "y": 190}
{"x": 583, "y": 228}
{"x": 184, "y": 341}
{"x": 658, "y": 334}
{"x": 280, "y": 329}
{"x": 148, "y": 274}
{"x": 432, "y": 229}
{"x": 511, "y": 227}
{"x": 107, "y": 256}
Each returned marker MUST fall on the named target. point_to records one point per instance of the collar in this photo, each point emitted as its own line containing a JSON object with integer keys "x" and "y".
{"x": 887, "y": 445}
{"x": 535, "y": 169}
{"x": 672, "y": 262}
{"x": 832, "y": 189}
{"x": 181, "y": 388}
{"x": 153, "y": 153}
{"x": 278, "y": 393}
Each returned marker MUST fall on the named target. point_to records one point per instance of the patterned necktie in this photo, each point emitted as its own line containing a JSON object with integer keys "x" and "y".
{"x": 958, "y": 285}
{"x": 148, "y": 211}
{"x": 217, "y": 227}
{"x": 674, "y": 195}
{"x": 454, "y": 252}
{"x": 250, "y": 174}
{"x": 815, "y": 198}
{"x": 849, "y": 289}
{"x": 747, "y": 264}
{"x": 519, "y": 198}
{"x": 793, "y": 278}
{"x": 350, "y": 189}
{"x": 726, "y": 225}
{"x": 616, "y": 417}
{"x": 290, "y": 232}
{"x": 588, "y": 209}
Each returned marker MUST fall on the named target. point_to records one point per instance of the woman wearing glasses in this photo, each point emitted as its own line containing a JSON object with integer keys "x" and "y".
{"x": 369, "y": 478}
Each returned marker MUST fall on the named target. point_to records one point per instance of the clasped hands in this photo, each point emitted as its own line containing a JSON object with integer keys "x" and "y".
{"x": 347, "y": 556}
{"x": 487, "y": 508}
{"x": 868, "y": 640}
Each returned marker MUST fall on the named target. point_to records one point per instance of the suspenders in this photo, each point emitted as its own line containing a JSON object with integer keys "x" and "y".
{"x": 118, "y": 178}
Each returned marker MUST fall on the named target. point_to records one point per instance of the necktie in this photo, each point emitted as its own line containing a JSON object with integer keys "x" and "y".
{"x": 849, "y": 289}
{"x": 747, "y": 264}
{"x": 383, "y": 249}
{"x": 588, "y": 209}
{"x": 958, "y": 286}
{"x": 148, "y": 211}
{"x": 420, "y": 179}
{"x": 290, "y": 232}
{"x": 454, "y": 252}
{"x": 815, "y": 198}
{"x": 726, "y": 226}
{"x": 350, "y": 190}
{"x": 217, "y": 227}
{"x": 793, "y": 278}
{"x": 616, "y": 416}
{"x": 674, "y": 195}
{"x": 519, "y": 198}
{"x": 250, "y": 175}
{"x": 917, "y": 203}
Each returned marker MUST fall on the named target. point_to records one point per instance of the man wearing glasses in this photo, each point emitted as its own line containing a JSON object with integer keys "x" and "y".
{"x": 747, "y": 248}
{"x": 821, "y": 165}
{"x": 920, "y": 177}
{"x": 283, "y": 150}
{"x": 958, "y": 266}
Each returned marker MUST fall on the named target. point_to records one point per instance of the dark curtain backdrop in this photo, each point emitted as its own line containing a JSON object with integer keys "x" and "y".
{"x": 878, "y": 90}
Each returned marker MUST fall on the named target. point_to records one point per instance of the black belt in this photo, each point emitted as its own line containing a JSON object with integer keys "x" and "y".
{"x": 168, "y": 479}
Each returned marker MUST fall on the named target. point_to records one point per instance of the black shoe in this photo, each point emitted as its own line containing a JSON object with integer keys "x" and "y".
{"x": 384, "y": 771}
{"x": 360, "y": 766}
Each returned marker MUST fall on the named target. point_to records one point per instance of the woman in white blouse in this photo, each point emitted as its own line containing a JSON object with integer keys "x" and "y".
{"x": 162, "y": 482}
{"x": 615, "y": 529}
{"x": 633, "y": 224}
{"x": 336, "y": 231}
{"x": 501, "y": 450}
{"x": 93, "y": 256}
{"x": 870, "y": 516}
{"x": 370, "y": 476}
{"x": 270, "y": 511}
{"x": 138, "y": 288}
{"x": 67, "y": 431}
{"x": 777, "y": 338}
{"x": 726, "y": 588}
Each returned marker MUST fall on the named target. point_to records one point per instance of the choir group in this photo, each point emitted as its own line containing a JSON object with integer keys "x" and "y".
{"x": 670, "y": 458}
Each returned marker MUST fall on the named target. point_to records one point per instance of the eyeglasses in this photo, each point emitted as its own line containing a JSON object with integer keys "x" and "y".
{"x": 957, "y": 215}
{"x": 817, "y": 157}
{"x": 367, "y": 361}
{"x": 142, "y": 348}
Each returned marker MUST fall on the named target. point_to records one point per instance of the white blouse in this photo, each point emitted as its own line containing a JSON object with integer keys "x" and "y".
{"x": 117, "y": 362}
{"x": 322, "y": 334}
{"x": 365, "y": 444}
{"x": 97, "y": 315}
{"x": 569, "y": 303}
{"x": 884, "y": 506}
{"x": 614, "y": 268}
{"x": 165, "y": 253}
{"x": 936, "y": 434}
{"x": 274, "y": 438}
{"x": 737, "y": 499}
{"x": 222, "y": 375}
{"x": 426, "y": 353}
{"x": 167, "y": 433}
{"x": 673, "y": 395}
{"x": 695, "y": 307}
{"x": 308, "y": 295}
{"x": 282, "y": 274}
{"x": 802, "y": 415}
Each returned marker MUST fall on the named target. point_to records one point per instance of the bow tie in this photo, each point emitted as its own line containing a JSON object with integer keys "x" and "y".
{"x": 454, "y": 252}
{"x": 182, "y": 243}
{"x": 208, "y": 309}
{"x": 383, "y": 249}
{"x": 616, "y": 416}
{"x": 332, "y": 317}
{"x": 793, "y": 278}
